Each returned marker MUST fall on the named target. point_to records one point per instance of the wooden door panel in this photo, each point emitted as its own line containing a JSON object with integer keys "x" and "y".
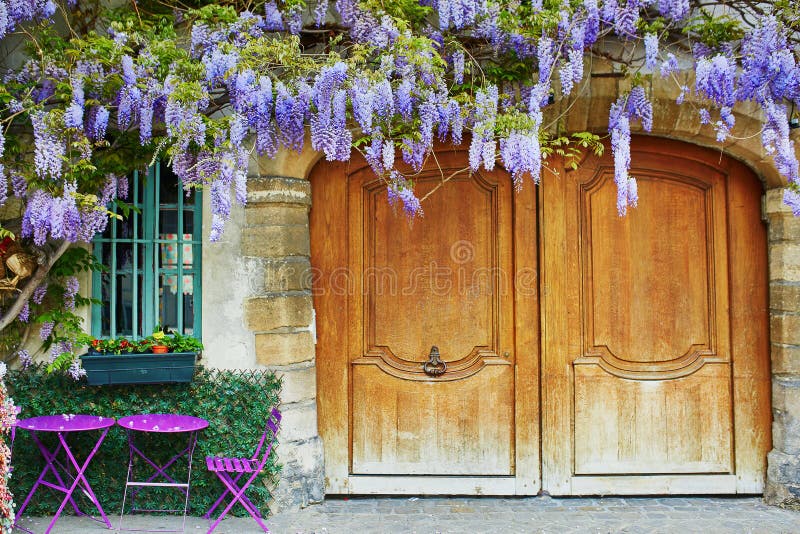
{"x": 651, "y": 291}
{"x": 386, "y": 291}
{"x": 655, "y": 258}
{"x": 462, "y": 427}
{"x": 437, "y": 282}
{"x": 638, "y": 382}
{"x": 652, "y": 427}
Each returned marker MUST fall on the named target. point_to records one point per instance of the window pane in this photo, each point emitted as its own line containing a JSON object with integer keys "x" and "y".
{"x": 125, "y": 226}
{"x": 168, "y": 253}
{"x": 188, "y": 199}
{"x": 168, "y": 221}
{"x": 124, "y": 257}
{"x": 106, "y": 254}
{"x": 174, "y": 292}
{"x": 107, "y": 232}
{"x": 169, "y": 189}
{"x": 105, "y": 309}
{"x": 188, "y": 308}
{"x": 168, "y": 302}
{"x": 188, "y": 223}
{"x": 124, "y": 308}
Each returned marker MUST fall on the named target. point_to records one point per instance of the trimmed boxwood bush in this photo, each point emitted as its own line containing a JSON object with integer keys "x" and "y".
{"x": 235, "y": 403}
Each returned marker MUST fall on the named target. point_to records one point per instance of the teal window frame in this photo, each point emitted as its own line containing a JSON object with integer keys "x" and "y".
{"x": 148, "y": 296}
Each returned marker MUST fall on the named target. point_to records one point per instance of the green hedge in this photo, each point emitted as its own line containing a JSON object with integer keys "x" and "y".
{"x": 235, "y": 403}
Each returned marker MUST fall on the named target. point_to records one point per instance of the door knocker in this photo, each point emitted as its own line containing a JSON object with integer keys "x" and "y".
{"x": 435, "y": 366}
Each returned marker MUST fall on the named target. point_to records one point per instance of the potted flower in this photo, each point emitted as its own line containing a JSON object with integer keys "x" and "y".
{"x": 158, "y": 342}
{"x": 161, "y": 357}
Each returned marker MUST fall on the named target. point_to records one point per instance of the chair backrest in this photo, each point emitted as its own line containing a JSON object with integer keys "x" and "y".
{"x": 268, "y": 437}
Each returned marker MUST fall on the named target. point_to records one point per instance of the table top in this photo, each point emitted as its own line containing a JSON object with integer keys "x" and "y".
{"x": 65, "y": 423}
{"x": 162, "y": 422}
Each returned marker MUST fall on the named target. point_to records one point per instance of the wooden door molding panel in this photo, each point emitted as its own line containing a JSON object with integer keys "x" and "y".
{"x": 418, "y": 291}
{"x": 691, "y": 362}
{"x": 686, "y": 262}
{"x": 388, "y": 426}
{"x": 384, "y": 307}
{"x": 644, "y": 355}
{"x": 390, "y": 364}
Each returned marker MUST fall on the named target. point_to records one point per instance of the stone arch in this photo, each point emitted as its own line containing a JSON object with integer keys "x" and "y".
{"x": 279, "y": 315}
{"x": 589, "y": 112}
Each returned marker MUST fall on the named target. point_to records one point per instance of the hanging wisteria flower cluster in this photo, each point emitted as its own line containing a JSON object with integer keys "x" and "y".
{"x": 206, "y": 89}
{"x": 209, "y": 87}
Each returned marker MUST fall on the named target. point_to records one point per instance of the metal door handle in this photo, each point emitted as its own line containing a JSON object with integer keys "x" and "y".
{"x": 435, "y": 366}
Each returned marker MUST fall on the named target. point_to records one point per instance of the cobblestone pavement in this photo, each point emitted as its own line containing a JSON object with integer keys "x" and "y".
{"x": 490, "y": 515}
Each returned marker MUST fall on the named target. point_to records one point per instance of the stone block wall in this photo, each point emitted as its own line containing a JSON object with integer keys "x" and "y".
{"x": 279, "y": 313}
{"x": 783, "y": 471}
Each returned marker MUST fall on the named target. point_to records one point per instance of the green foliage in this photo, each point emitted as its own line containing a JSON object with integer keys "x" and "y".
{"x": 572, "y": 148}
{"x": 181, "y": 343}
{"x": 713, "y": 30}
{"x": 75, "y": 260}
{"x": 235, "y": 403}
{"x": 411, "y": 12}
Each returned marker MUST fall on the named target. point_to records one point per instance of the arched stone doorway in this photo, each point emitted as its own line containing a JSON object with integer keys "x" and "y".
{"x": 653, "y": 350}
{"x": 274, "y": 252}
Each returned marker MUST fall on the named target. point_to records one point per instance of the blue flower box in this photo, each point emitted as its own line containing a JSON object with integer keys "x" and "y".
{"x": 144, "y": 368}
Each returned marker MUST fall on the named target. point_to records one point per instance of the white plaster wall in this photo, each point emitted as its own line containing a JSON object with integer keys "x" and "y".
{"x": 226, "y": 284}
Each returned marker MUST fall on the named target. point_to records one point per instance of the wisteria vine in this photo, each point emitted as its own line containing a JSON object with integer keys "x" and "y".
{"x": 98, "y": 90}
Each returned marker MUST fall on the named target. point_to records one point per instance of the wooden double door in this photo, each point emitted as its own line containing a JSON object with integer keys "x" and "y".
{"x": 509, "y": 342}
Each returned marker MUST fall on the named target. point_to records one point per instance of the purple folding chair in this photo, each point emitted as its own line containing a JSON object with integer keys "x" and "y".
{"x": 231, "y": 470}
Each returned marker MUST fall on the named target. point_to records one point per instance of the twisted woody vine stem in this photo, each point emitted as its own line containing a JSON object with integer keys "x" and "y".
{"x": 90, "y": 91}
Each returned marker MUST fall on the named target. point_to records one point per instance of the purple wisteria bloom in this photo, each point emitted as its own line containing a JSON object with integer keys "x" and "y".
{"x": 25, "y": 358}
{"x": 400, "y": 191}
{"x": 75, "y": 370}
{"x": 458, "y": 66}
{"x": 320, "y": 12}
{"x": 634, "y": 105}
{"x": 674, "y": 9}
{"x": 273, "y": 21}
{"x": 46, "y": 330}
{"x": 792, "y": 199}
{"x": 651, "y": 51}
{"x": 98, "y": 122}
{"x": 39, "y": 293}
{"x": 71, "y": 288}
{"x": 49, "y": 149}
{"x": 25, "y": 312}
{"x": 3, "y": 185}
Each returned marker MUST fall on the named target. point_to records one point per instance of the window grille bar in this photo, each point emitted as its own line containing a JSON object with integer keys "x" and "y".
{"x": 147, "y": 322}
{"x": 180, "y": 297}
{"x": 157, "y": 253}
{"x": 112, "y": 310}
{"x": 135, "y": 323}
{"x": 197, "y": 265}
{"x": 97, "y": 284}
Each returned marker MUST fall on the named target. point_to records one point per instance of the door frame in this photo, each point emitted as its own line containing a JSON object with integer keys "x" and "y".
{"x": 331, "y": 292}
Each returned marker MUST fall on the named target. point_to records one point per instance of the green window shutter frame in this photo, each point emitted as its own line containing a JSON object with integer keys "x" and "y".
{"x": 147, "y": 275}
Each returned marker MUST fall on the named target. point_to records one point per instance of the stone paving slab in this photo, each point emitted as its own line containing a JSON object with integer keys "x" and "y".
{"x": 646, "y": 515}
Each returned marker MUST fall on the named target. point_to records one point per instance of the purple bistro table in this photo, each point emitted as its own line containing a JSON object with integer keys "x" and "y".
{"x": 162, "y": 424}
{"x": 63, "y": 426}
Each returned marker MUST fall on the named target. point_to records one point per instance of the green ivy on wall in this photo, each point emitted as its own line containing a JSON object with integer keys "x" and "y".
{"x": 235, "y": 403}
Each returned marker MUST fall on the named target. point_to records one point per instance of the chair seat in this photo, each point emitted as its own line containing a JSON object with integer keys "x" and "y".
{"x": 231, "y": 465}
